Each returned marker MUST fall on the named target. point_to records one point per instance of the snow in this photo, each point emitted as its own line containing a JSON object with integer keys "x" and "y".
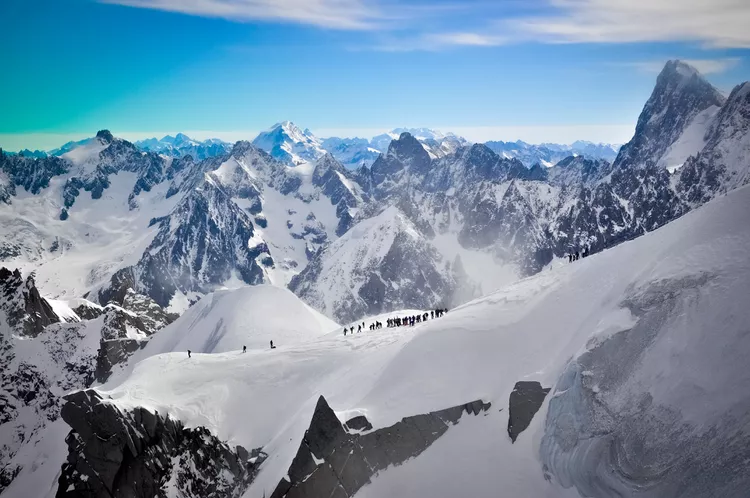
{"x": 691, "y": 141}
{"x": 226, "y": 320}
{"x": 527, "y": 331}
{"x": 99, "y": 237}
{"x": 480, "y": 266}
{"x": 85, "y": 156}
{"x": 63, "y": 310}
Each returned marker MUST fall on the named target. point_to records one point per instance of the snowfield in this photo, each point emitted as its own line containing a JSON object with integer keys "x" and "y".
{"x": 645, "y": 347}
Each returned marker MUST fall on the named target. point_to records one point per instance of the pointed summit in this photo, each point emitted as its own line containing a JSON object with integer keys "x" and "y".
{"x": 105, "y": 136}
{"x": 680, "y": 94}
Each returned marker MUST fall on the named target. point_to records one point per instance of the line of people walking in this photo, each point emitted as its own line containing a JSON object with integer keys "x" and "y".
{"x": 575, "y": 256}
{"x": 399, "y": 321}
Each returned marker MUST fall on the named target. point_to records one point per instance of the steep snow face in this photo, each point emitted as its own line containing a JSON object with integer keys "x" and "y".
{"x": 625, "y": 339}
{"x": 382, "y": 264}
{"x": 290, "y": 145}
{"x": 690, "y": 142}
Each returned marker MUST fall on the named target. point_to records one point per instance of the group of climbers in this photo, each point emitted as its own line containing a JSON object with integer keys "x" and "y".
{"x": 391, "y": 322}
{"x": 399, "y": 321}
{"x": 575, "y": 256}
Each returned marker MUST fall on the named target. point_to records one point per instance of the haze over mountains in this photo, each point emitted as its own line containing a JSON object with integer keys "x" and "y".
{"x": 114, "y": 241}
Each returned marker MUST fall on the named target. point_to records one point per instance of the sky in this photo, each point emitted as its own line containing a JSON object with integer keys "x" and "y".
{"x": 537, "y": 70}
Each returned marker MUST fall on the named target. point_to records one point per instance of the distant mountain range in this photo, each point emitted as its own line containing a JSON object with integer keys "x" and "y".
{"x": 290, "y": 144}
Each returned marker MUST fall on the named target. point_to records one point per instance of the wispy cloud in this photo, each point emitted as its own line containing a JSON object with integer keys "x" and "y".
{"x": 705, "y": 66}
{"x": 335, "y": 14}
{"x": 715, "y": 23}
{"x": 712, "y": 23}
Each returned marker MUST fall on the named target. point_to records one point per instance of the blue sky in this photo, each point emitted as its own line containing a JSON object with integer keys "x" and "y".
{"x": 539, "y": 70}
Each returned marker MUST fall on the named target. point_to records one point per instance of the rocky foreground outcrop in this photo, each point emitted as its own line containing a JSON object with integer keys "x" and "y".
{"x": 143, "y": 454}
{"x": 336, "y": 460}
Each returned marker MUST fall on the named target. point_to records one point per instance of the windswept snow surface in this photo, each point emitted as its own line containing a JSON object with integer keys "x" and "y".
{"x": 680, "y": 383}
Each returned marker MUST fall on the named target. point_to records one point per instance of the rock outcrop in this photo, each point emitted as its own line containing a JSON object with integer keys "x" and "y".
{"x": 336, "y": 461}
{"x": 525, "y": 400}
{"x": 144, "y": 454}
{"x": 24, "y": 308}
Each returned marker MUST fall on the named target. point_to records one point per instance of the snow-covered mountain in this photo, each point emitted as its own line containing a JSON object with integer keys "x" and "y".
{"x": 579, "y": 381}
{"x": 287, "y": 143}
{"x": 549, "y": 154}
{"x": 381, "y": 264}
{"x": 181, "y": 145}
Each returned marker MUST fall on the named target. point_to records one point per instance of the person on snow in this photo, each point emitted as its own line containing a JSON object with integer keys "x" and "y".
{"x": 570, "y": 257}
{"x": 272, "y": 346}
{"x": 188, "y": 353}
{"x": 432, "y": 314}
{"x": 344, "y": 331}
{"x": 577, "y": 255}
{"x": 359, "y": 328}
{"x": 244, "y": 349}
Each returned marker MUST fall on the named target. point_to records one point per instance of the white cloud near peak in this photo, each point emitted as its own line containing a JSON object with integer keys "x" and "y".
{"x": 704, "y": 66}
{"x": 714, "y": 23}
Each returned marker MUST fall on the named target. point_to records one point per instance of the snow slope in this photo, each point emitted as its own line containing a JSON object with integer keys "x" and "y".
{"x": 226, "y": 320}
{"x": 683, "y": 286}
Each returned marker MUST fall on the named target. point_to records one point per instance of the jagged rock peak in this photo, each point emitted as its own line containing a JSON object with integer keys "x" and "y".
{"x": 105, "y": 136}
{"x": 242, "y": 147}
{"x": 409, "y": 150}
{"x": 24, "y": 308}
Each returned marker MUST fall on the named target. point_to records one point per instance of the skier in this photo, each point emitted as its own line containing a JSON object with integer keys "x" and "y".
{"x": 272, "y": 346}
{"x": 188, "y": 353}
{"x": 244, "y": 349}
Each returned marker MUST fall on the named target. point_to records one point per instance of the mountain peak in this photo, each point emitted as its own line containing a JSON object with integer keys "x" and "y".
{"x": 680, "y": 68}
{"x": 286, "y": 142}
{"x": 105, "y": 136}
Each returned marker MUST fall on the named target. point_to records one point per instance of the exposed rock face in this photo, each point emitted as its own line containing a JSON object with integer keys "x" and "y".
{"x": 125, "y": 331}
{"x": 200, "y": 245}
{"x": 525, "y": 400}
{"x": 24, "y": 308}
{"x": 49, "y": 360}
{"x": 144, "y": 454}
{"x": 334, "y": 462}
